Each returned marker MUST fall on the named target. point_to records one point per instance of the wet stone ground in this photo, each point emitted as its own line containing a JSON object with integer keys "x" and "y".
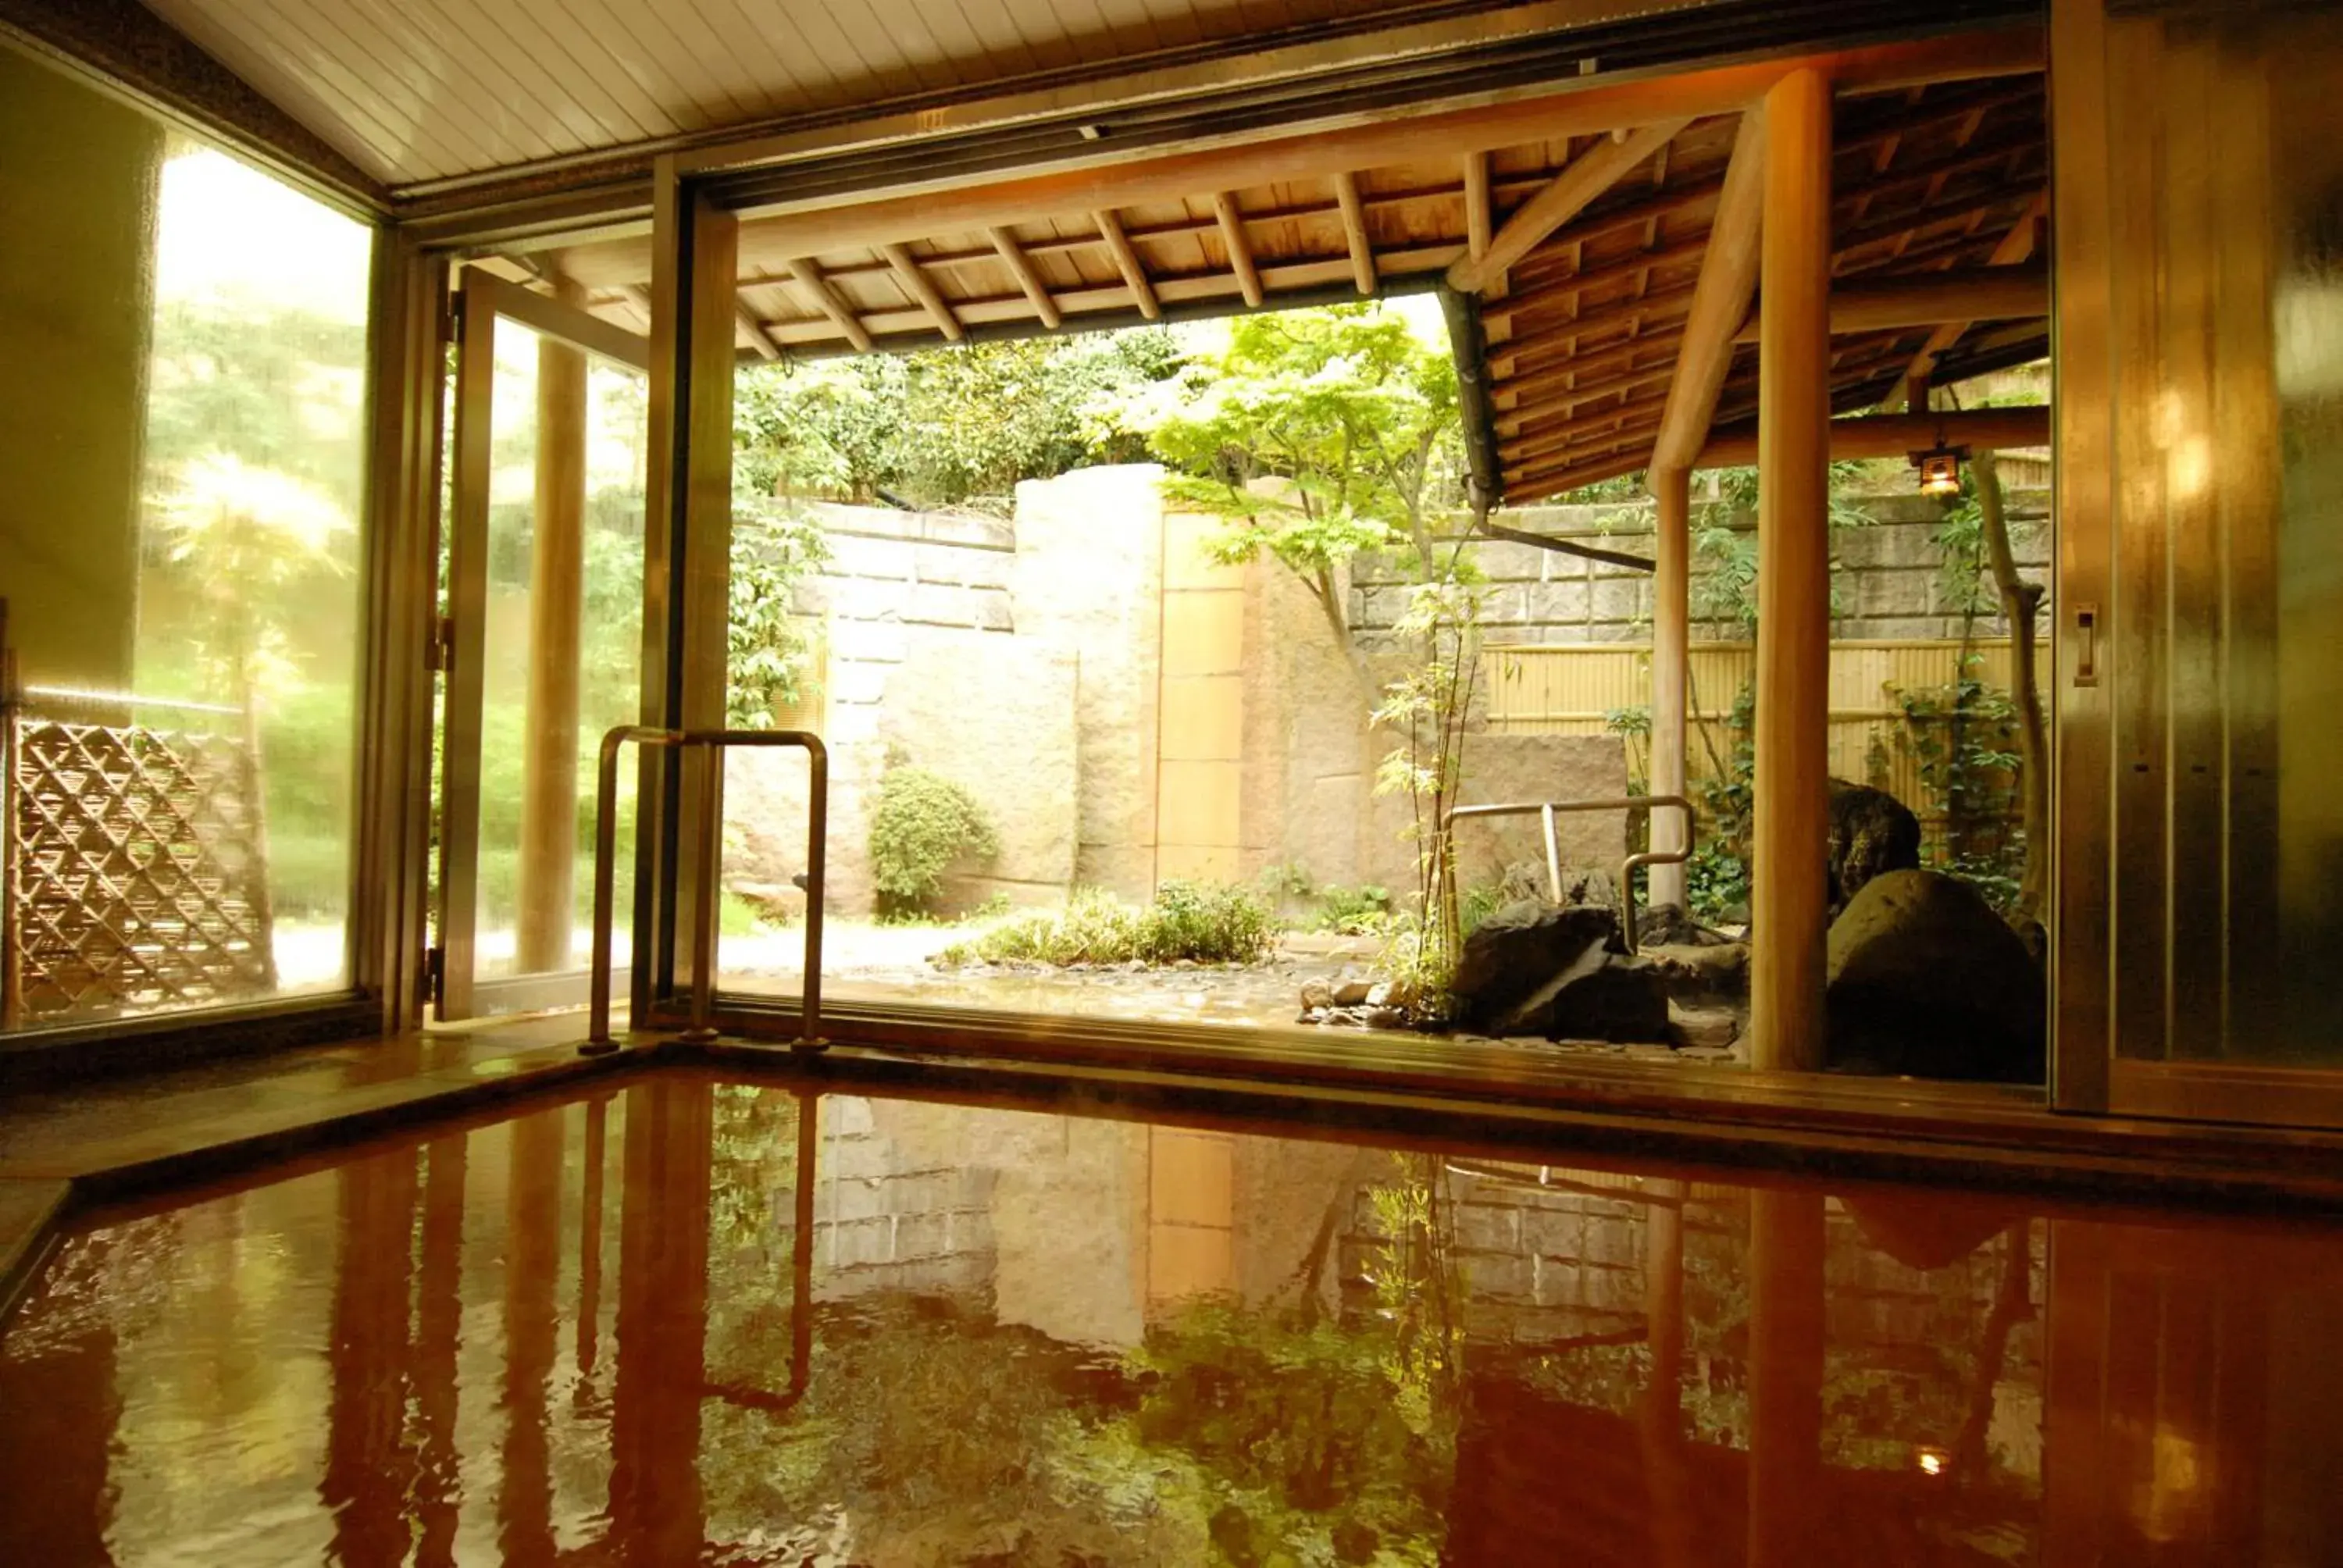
{"x": 874, "y": 963}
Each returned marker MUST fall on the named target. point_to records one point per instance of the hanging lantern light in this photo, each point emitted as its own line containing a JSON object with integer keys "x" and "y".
{"x": 1940, "y": 469}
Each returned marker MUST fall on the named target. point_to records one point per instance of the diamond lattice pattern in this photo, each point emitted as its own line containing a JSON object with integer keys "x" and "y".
{"x": 141, "y": 876}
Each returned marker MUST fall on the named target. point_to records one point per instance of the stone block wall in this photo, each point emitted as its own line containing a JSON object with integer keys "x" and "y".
{"x": 918, "y": 661}
{"x": 1890, "y": 580}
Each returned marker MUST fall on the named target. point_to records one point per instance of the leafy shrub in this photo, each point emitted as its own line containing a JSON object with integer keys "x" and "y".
{"x": 1199, "y": 922}
{"x": 1360, "y": 912}
{"x": 1205, "y": 922}
{"x": 920, "y": 824}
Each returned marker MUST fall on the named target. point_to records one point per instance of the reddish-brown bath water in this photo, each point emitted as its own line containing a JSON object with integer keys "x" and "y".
{"x": 696, "y": 1323}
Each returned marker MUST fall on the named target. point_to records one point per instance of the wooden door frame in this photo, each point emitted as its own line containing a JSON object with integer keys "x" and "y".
{"x": 480, "y": 298}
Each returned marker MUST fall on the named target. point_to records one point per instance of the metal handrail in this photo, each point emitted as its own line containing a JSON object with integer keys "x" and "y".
{"x": 1546, "y": 810}
{"x": 715, "y": 742}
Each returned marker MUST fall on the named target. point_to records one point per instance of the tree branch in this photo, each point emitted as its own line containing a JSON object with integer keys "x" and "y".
{"x": 1566, "y": 547}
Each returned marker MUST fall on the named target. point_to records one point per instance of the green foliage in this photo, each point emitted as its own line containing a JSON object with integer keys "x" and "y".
{"x": 1344, "y": 408}
{"x": 1627, "y": 721}
{"x": 942, "y": 427}
{"x": 774, "y": 549}
{"x": 1430, "y": 710}
{"x": 1726, "y": 553}
{"x": 919, "y": 824}
{"x": 1195, "y": 922}
{"x": 1964, "y": 738}
{"x": 1360, "y": 912}
{"x": 1716, "y": 878}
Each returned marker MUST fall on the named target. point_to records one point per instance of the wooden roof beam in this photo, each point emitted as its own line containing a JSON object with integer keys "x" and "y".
{"x": 1477, "y": 210}
{"x": 1911, "y": 223}
{"x": 1570, "y": 286}
{"x": 811, "y": 282}
{"x": 1928, "y": 298}
{"x": 1593, "y": 471}
{"x": 1602, "y": 444}
{"x": 922, "y": 290}
{"x": 1728, "y": 279}
{"x": 1127, "y": 262}
{"x": 1139, "y": 176}
{"x": 1020, "y": 267}
{"x": 1532, "y": 382}
{"x": 1240, "y": 249}
{"x": 1354, "y": 231}
{"x": 2017, "y": 247}
{"x": 1893, "y": 435}
{"x": 1628, "y": 313}
{"x": 1590, "y": 176}
{"x": 1641, "y": 414}
{"x": 1532, "y": 418}
{"x": 1545, "y": 262}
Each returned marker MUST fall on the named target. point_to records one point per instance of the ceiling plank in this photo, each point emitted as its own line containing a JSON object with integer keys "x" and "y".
{"x": 1240, "y": 249}
{"x": 1354, "y": 231}
{"x": 811, "y": 282}
{"x": 923, "y": 289}
{"x": 1567, "y": 288}
{"x": 1127, "y": 262}
{"x": 2017, "y": 247}
{"x": 1020, "y": 267}
{"x": 1156, "y": 175}
{"x": 1563, "y": 198}
{"x": 1728, "y": 277}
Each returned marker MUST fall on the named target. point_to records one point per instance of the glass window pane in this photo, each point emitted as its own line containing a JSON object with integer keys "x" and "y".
{"x": 186, "y": 447}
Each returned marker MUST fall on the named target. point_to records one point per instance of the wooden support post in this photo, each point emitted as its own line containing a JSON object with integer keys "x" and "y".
{"x": 1789, "y": 895}
{"x": 1354, "y": 231}
{"x": 1020, "y": 267}
{"x": 1671, "y": 654}
{"x": 1787, "y": 1340}
{"x": 1127, "y": 262}
{"x": 549, "y": 809}
{"x": 1232, "y": 236}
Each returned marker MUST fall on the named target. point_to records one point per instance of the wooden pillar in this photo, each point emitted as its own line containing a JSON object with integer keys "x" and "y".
{"x": 1787, "y": 1340}
{"x": 1671, "y": 644}
{"x": 532, "y": 1328}
{"x": 548, "y": 817}
{"x": 1789, "y": 895}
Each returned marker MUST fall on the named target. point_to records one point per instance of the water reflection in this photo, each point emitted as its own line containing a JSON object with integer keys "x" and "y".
{"x": 697, "y": 1322}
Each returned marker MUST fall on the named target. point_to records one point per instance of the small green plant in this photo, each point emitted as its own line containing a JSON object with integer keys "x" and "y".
{"x": 1354, "y": 911}
{"x": 922, "y": 823}
{"x": 1716, "y": 878}
{"x": 1197, "y": 922}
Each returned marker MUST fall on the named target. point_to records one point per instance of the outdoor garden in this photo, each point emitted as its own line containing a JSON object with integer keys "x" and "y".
{"x": 1317, "y": 458}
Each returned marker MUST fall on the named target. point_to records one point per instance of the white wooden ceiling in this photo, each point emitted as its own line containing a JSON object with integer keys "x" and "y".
{"x": 414, "y": 90}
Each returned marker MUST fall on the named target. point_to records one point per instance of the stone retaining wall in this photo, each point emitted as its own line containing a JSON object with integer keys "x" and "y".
{"x": 1890, "y": 579}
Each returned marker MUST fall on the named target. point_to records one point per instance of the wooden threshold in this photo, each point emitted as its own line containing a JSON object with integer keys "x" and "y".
{"x": 1967, "y": 1134}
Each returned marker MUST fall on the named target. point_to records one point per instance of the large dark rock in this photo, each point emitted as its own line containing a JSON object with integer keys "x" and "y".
{"x": 1871, "y": 834}
{"x": 1624, "y": 1000}
{"x": 1523, "y": 949}
{"x": 1926, "y": 980}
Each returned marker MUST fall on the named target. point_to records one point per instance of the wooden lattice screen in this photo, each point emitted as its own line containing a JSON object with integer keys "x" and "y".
{"x": 138, "y": 875}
